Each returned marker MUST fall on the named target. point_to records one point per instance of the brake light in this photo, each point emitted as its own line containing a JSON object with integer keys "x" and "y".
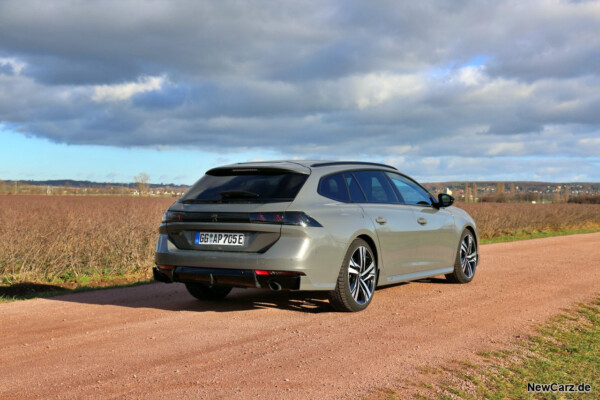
{"x": 298, "y": 218}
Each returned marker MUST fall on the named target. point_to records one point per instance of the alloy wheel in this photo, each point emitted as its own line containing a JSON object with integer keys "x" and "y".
{"x": 468, "y": 256}
{"x": 361, "y": 275}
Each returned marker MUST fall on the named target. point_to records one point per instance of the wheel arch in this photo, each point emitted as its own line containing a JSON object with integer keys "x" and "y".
{"x": 371, "y": 242}
{"x": 472, "y": 229}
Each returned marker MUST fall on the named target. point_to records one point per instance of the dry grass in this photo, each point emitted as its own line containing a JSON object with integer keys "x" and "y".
{"x": 68, "y": 239}
{"x": 72, "y": 239}
{"x": 502, "y": 219}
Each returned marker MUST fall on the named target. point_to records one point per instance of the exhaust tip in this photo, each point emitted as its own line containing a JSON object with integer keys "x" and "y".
{"x": 274, "y": 286}
{"x": 162, "y": 276}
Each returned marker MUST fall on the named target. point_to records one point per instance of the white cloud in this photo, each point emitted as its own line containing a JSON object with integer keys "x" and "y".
{"x": 472, "y": 75}
{"x": 591, "y": 143}
{"x": 371, "y": 90}
{"x": 400, "y": 149}
{"x": 14, "y": 64}
{"x": 506, "y": 149}
{"x": 124, "y": 91}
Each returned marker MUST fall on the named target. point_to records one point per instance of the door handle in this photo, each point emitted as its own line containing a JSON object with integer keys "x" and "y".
{"x": 422, "y": 221}
{"x": 380, "y": 220}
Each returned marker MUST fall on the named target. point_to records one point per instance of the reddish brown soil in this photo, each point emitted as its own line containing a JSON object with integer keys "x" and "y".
{"x": 156, "y": 341}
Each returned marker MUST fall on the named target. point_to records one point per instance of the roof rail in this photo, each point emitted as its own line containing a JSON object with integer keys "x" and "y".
{"x": 327, "y": 164}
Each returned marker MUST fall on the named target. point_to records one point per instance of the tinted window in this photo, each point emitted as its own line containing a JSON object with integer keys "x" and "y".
{"x": 356, "y": 195}
{"x": 411, "y": 192}
{"x": 334, "y": 187}
{"x": 251, "y": 186}
{"x": 375, "y": 186}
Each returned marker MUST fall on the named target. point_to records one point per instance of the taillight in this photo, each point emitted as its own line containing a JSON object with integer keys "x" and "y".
{"x": 172, "y": 216}
{"x": 267, "y": 218}
{"x": 298, "y": 218}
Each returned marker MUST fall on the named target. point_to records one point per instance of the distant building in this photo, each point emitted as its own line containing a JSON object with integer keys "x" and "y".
{"x": 448, "y": 191}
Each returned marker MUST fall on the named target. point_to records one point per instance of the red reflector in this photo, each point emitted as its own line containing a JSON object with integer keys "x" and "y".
{"x": 165, "y": 266}
{"x": 278, "y": 273}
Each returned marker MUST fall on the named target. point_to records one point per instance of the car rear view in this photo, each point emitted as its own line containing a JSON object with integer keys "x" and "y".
{"x": 343, "y": 227}
{"x": 225, "y": 231}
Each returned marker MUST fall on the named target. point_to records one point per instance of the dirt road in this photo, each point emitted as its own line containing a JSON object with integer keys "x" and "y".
{"x": 156, "y": 341}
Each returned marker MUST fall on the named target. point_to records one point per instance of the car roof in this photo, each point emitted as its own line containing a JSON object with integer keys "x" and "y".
{"x": 303, "y": 166}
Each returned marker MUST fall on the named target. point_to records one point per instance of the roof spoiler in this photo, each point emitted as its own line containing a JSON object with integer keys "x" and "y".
{"x": 255, "y": 170}
{"x": 327, "y": 164}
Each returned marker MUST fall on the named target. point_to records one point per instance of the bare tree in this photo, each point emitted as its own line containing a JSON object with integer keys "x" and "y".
{"x": 500, "y": 188}
{"x": 557, "y": 195}
{"x": 141, "y": 181}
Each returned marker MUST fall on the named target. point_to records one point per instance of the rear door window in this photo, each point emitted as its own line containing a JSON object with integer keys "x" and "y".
{"x": 411, "y": 193}
{"x": 376, "y": 187}
{"x": 334, "y": 187}
{"x": 245, "y": 186}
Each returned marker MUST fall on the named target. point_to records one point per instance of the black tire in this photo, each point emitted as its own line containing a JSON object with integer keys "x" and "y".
{"x": 354, "y": 290}
{"x": 466, "y": 259}
{"x": 202, "y": 291}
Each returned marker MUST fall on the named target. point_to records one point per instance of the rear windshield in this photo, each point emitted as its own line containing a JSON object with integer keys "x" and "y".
{"x": 245, "y": 186}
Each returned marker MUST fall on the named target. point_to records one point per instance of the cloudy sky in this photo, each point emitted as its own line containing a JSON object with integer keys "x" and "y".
{"x": 444, "y": 90}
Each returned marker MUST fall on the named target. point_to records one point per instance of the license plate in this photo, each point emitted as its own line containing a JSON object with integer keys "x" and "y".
{"x": 219, "y": 238}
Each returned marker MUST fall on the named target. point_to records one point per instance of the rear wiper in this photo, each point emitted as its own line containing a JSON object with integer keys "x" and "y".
{"x": 240, "y": 194}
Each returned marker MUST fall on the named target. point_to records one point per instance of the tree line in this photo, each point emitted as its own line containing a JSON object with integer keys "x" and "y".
{"x": 562, "y": 194}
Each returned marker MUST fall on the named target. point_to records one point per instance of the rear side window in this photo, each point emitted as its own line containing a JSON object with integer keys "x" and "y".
{"x": 334, "y": 187}
{"x": 356, "y": 194}
{"x": 376, "y": 187}
{"x": 245, "y": 186}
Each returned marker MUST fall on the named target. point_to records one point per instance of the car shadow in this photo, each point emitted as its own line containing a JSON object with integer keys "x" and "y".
{"x": 433, "y": 280}
{"x": 442, "y": 281}
{"x": 174, "y": 297}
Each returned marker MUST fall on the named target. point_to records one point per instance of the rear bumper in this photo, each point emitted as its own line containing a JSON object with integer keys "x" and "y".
{"x": 226, "y": 277}
{"x": 317, "y": 258}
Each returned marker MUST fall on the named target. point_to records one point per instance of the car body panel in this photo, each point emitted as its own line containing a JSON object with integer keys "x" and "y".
{"x": 436, "y": 238}
{"x": 397, "y": 238}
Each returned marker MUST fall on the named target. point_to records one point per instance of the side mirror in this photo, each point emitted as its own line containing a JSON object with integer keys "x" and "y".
{"x": 444, "y": 200}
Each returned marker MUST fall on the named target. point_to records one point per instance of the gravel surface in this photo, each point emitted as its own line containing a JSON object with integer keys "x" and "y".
{"x": 156, "y": 341}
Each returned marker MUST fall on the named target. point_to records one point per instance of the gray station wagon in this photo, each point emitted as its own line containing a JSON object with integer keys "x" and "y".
{"x": 341, "y": 227}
